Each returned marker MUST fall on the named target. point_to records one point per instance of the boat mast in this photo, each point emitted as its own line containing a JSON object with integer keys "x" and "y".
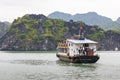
{"x": 80, "y": 33}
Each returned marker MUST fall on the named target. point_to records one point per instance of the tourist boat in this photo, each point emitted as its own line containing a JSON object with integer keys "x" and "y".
{"x": 77, "y": 50}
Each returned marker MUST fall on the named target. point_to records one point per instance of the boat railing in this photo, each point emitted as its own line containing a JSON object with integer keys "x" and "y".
{"x": 62, "y": 45}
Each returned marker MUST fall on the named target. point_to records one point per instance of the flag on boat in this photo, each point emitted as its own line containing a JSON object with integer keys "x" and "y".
{"x": 81, "y": 27}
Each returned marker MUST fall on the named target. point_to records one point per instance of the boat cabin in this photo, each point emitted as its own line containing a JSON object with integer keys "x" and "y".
{"x": 77, "y": 46}
{"x": 82, "y": 47}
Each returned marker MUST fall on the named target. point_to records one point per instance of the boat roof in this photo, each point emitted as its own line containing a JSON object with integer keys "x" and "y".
{"x": 76, "y": 41}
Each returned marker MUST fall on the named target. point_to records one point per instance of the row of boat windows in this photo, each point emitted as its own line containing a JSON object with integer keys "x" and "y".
{"x": 84, "y": 45}
{"x": 65, "y": 50}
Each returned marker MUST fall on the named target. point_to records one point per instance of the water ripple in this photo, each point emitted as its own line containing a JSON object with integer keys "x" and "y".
{"x": 32, "y": 62}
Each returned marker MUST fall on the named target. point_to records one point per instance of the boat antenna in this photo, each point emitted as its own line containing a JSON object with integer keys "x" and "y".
{"x": 80, "y": 33}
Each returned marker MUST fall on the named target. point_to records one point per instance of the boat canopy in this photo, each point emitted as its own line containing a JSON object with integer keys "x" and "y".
{"x": 76, "y": 41}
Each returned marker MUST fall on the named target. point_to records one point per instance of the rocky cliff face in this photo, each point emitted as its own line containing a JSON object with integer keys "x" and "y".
{"x": 110, "y": 41}
{"x": 37, "y": 32}
{"x": 23, "y": 35}
{"x": 4, "y": 26}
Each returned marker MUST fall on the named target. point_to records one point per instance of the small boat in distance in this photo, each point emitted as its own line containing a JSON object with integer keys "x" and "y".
{"x": 77, "y": 50}
{"x": 116, "y": 49}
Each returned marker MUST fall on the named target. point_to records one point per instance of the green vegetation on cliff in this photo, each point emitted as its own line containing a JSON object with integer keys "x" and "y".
{"x": 37, "y": 32}
{"x": 52, "y": 28}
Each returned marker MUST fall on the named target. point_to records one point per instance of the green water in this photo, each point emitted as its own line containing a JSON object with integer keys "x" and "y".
{"x": 37, "y": 65}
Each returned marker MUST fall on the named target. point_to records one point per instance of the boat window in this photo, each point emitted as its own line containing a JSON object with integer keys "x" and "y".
{"x": 85, "y": 45}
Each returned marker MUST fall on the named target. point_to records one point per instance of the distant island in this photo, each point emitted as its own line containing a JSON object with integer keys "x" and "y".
{"x": 38, "y": 32}
{"x": 90, "y": 18}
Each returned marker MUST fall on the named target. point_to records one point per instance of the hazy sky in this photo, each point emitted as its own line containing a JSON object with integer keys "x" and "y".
{"x": 11, "y": 9}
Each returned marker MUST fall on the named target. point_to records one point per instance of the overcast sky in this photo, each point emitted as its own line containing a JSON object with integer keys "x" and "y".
{"x": 11, "y": 9}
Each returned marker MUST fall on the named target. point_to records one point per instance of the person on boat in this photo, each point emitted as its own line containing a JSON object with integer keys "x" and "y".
{"x": 80, "y": 50}
{"x": 86, "y": 50}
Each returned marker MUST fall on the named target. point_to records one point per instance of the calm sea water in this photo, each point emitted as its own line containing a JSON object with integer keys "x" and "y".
{"x": 46, "y": 66}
